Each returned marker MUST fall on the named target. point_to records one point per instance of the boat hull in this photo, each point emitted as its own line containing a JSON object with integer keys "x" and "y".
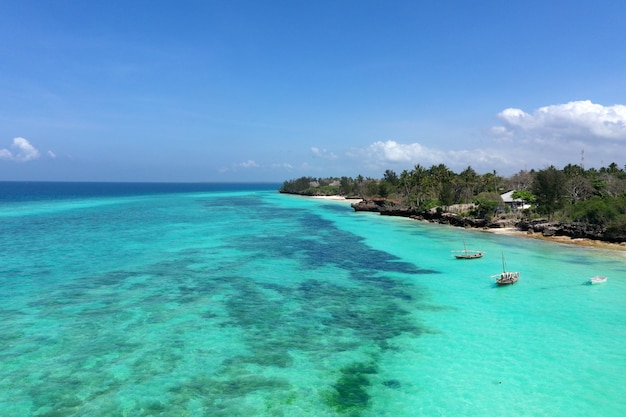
{"x": 507, "y": 278}
{"x": 597, "y": 280}
{"x": 471, "y": 256}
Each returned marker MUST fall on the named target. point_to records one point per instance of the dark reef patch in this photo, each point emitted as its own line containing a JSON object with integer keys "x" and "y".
{"x": 350, "y": 392}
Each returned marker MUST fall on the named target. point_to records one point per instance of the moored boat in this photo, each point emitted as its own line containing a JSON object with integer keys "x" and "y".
{"x": 506, "y": 277}
{"x": 598, "y": 279}
{"x": 468, "y": 253}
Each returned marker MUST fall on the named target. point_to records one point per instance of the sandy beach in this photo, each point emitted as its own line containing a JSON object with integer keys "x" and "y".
{"x": 560, "y": 239}
{"x": 336, "y": 198}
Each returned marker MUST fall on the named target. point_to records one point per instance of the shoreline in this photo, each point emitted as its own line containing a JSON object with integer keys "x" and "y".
{"x": 512, "y": 231}
{"x": 598, "y": 244}
{"x": 335, "y": 198}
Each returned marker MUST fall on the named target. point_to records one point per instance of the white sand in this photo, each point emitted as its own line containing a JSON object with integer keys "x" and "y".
{"x": 336, "y": 198}
{"x": 559, "y": 239}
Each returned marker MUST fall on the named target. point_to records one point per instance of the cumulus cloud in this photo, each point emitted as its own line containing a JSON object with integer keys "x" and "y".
{"x": 391, "y": 154}
{"x": 392, "y": 151}
{"x": 557, "y": 134}
{"x": 323, "y": 153}
{"x": 570, "y": 121}
{"x": 23, "y": 151}
{"x": 550, "y": 135}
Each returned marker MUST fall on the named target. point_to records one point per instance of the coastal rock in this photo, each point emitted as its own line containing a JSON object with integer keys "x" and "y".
{"x": 373, "y": 205}
{"x": 542, "y": 226}
{"x": 575, "y": 230}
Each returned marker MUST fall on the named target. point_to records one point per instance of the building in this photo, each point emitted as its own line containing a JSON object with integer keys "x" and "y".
{"x": 513, "y": 203}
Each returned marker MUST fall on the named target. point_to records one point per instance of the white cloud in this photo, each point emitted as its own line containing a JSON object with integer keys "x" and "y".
{"x": 323, "y": 153}
{"x": 52, "y": 154}
{"x": 557, "y": 134}
{"x": 550, "y": 135}
{"x": 249, "y": 164}
{"x": 392, "y": 151}
{"x": 23, "y": 151}
{"x": 391, "y": 154}
{"x": 571, "y": 121}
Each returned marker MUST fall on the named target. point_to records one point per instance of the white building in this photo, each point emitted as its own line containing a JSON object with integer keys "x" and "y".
{"x": 513, "y": 203}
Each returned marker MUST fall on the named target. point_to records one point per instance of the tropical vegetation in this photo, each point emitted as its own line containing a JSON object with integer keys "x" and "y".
{"x": 570, "y": 194}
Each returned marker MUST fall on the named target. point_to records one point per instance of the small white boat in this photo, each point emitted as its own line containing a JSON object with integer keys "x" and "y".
{"x": 598, "y": 279}
{"x": 467, "y": 254}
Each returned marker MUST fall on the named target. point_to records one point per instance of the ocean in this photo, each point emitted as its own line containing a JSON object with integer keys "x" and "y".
{"x": 236, "y": 300}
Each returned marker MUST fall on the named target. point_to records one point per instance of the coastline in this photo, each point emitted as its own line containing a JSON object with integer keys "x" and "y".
{"x": 513, "y": 231}
{"x": 598, "y": 244}
{"x": 335, "y": 198}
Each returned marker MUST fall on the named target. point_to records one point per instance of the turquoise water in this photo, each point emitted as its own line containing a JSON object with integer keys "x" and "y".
{"x": 237, "y": 302}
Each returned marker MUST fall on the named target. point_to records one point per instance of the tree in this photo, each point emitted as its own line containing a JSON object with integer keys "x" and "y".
{"x": 467, "y": 182}
{"x": 571, "y": 171}
{"x": 486, "y": 204}
{"x": 418, "y": 181}
{"x": 578, "y": 189}
{"x": 345, "y": 186}
{"x": 360, "y": 186}
{"x": 524, "y": 195}
{"x": 405, "y": 180}
{"x": 440, "y": 183}
{"x": 391, "y": 177}
{"x": 446, "y": 194}
{"x": 549, "y": 189}
{"x": 520, "y": 181}
{"x": 300, "y": 185}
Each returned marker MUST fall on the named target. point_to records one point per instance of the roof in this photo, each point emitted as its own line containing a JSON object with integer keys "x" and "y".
{"x": 508, "y": 197}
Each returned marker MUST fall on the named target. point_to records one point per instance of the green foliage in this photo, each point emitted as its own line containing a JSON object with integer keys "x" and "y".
{"x": 607, "y": 212}
{"x": 486, "y": 204}
{"x": 298, "y": 186}
{"x": 549, "y": 190}
{"x": 594, "y": 210}
{"x": 617, "y": 225}
{"x": 371, "y": 188}
{"x": 571, "y": 194}
{"x": 383, "y": 189}
{"x": 428, "y": 204}
{"x": 312, "y": 186}
{"x": 525, "y": 196}
{"x": 446, "y": 194}
{"x": 391, "y": 177}
{"x": 346, "y": 186}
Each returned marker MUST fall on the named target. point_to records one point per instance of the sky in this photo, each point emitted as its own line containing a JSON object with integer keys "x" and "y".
{"x": 267, "y": 91}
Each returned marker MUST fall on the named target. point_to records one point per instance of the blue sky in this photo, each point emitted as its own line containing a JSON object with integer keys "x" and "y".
{"x": 274, "y": 90}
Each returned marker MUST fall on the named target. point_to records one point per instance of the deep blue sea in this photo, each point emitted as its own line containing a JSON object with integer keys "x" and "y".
{"x": 234, "y": 300}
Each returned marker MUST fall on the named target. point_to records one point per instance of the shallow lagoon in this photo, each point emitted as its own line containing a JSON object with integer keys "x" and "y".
{"x": 242, "y": 302}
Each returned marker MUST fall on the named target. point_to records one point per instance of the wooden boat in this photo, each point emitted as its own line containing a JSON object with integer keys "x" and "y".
{"x": 506, "y": 277}
{"x": 467, "y": 254}
{"x": 598, "y": 279}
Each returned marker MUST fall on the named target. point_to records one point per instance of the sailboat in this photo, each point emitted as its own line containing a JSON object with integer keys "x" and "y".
{"x": 506, "y": 277}
{"x": 468, "y": 254}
